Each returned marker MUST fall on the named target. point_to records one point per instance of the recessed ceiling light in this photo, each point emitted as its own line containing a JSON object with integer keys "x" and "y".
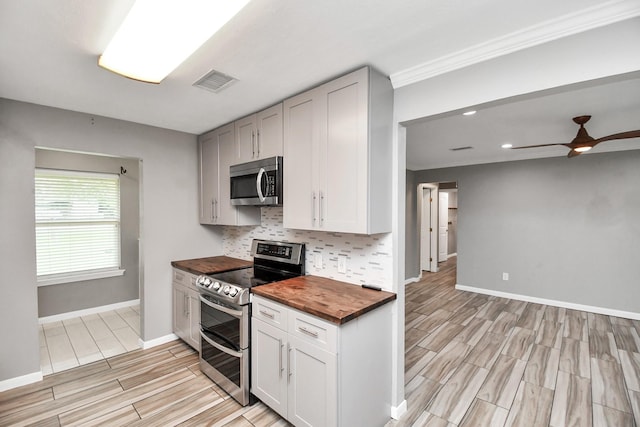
{"x": 506, "y": 145}
{"x": 469, "y": 113}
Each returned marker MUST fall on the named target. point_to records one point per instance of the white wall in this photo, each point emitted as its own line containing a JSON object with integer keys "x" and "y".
{"x": 169, "y": 210}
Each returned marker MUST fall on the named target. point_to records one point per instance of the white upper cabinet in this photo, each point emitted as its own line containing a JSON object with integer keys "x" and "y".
{"x": 208, "y": 168}
{"x": 337, "y": 154}
{"x": 218, "y": 151}
{"x": 260, "y": 135}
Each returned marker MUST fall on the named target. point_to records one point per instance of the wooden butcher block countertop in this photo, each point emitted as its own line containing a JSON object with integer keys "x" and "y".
{"x": 211, "y": 265}
{"x": 332, "y": 300}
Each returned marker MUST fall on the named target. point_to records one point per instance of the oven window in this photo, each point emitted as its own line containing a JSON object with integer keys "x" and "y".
{"x": 227, "y": 365}
{"x": 220, "y": 327}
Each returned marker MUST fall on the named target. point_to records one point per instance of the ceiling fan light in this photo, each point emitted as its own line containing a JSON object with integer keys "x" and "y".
{"x": 507, "y": 145}
{"x": 157, "y": 36}
{"x": 582, "y": 149}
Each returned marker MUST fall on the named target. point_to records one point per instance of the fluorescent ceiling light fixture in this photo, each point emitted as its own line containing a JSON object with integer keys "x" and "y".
{"x": 469, "y": 113}
{"x": 506, "y": 145}
{"x": 158, "y": 35}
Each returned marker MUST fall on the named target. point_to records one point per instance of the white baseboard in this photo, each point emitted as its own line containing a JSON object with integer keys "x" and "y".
{"x": 20, "y": 381}
{"x": 555, "y": 303}
{"x": 157, "y": 341}
{"x": 88, "y": 311}
{"x": 398, "y": 411}
{"x": 411, "y": 280}
{"x": 452, "y": 255}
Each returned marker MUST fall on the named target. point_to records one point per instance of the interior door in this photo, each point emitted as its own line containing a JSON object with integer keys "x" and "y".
{"x": 443, "y": 225}
{"x": 425, "y": 230}
{"x": 428, "y": 214}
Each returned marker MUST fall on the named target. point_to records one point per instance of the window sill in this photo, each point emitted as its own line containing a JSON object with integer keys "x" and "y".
{"x": 81, "y": 277}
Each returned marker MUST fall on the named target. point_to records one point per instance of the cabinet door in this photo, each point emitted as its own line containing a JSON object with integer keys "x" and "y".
{"x": 313, "y": 393}
{"x": 344, "y": 158}
{"x": 227, "y": 152}
{"x": 246, "y": 134}
{"x": 269, "y": 132}
{"x": 208, "y": 168}
{"x": 268, "y": 365}
{"x": 300, "y": 208}
{"x": 194, "y": 319}
{"x": 181, "y": 322}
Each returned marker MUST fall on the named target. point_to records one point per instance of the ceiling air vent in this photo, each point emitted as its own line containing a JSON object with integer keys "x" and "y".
{"x": 214, "y": 81}
{"x": 461, "y": 148}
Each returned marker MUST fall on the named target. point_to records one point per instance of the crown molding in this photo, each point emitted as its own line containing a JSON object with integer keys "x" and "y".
{"x": 590, "y": 18}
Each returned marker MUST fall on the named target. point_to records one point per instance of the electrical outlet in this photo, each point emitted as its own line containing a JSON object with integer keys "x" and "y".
{"x": 505, "y": 276}
{"x": 318, "y": 260}
{"x": 342, "y": 264}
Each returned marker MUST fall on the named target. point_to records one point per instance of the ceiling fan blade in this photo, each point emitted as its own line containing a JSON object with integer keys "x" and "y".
{"x": 539, "y": 145}
{"x": 621, "y": 135}
{"x": 573, "y": 153}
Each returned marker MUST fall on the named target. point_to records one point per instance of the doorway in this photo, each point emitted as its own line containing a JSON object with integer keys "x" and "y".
{"x": 79, "y": 321}
{"x": 437, "y": 224}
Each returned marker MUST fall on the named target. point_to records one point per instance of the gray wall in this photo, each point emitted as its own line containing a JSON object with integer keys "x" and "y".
{"x": 67, "y": 297}
{"x": 412, "y": 233}
{"x": 564, "y": 229}
{"x": 169, "y": 210}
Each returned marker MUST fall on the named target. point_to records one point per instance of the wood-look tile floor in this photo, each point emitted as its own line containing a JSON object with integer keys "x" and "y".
{"x": 74, "y": 342}
{"x": 161, "y": 386}
{"x": 477, "y": 360}
{"x": 471, "y": 360}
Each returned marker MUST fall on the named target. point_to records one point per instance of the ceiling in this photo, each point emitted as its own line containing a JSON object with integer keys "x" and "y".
{"x": 277, "y": 48}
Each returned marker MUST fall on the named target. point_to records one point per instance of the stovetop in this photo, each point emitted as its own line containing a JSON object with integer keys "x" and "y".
{"x": 272, "y": 262}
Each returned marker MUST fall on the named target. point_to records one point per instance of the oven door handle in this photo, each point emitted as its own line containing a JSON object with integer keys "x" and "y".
{"x": 220, "y": 347}
{"x": 230, "y": 312}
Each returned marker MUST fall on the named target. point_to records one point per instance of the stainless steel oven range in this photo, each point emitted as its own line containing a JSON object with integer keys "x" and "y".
{"x": 225, "y": 313}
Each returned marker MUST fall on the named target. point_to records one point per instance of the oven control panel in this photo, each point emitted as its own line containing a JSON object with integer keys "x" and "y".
{"x": 283, "y": 252}
{"x": 223, "y": 291}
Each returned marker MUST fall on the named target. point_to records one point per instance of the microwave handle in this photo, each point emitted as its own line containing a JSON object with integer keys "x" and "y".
{"x": 259, "y": 185}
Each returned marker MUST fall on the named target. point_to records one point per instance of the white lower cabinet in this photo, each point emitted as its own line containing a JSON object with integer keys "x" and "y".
{"x": 314, "y": 373}
{"x": 186, "y": 308}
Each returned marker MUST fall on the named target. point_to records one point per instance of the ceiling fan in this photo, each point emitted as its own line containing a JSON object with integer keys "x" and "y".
{"x": 583, "y": 142}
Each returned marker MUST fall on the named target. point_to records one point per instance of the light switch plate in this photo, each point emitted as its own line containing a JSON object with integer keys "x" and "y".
{"x": 342, "y": 264}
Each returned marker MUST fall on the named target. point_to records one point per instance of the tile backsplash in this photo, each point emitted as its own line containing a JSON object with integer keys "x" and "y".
{"x": 368, "y": 259}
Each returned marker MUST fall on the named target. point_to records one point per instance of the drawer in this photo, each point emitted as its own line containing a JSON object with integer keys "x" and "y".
{"x": 269, "y": 312}
{"x": 313, "y": 330}
{"x": 184, "y": 278}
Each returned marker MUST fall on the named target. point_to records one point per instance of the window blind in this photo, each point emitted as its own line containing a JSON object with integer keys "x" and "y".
{"x": 77, "y": 222}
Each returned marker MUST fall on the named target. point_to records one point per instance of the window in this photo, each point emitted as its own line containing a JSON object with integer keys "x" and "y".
{"x": 77, "y": 225}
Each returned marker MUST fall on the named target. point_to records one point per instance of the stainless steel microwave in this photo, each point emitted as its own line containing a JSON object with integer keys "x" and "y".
{"x": 257, "y": 183}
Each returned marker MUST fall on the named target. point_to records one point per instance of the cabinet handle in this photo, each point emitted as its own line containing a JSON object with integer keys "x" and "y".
{"x": 288, "y": 363}
{"x": 313, "y": 207}
{"x": 267, "y": 314}
{"x": 308, "y": 332}
{"x": 253, "y": 145}
{"x": 184, "y": 305}
{"x": 258, "y": 143}
{"x": 280, "y": 360}
{"x": 213, "y": 210}
{"x": 187, "y": 306}
{"x": 320, "y": 208}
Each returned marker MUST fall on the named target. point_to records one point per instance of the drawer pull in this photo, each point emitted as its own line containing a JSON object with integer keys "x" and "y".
{"x": 308, "y": 332}
{"x": 267, "y": 314}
